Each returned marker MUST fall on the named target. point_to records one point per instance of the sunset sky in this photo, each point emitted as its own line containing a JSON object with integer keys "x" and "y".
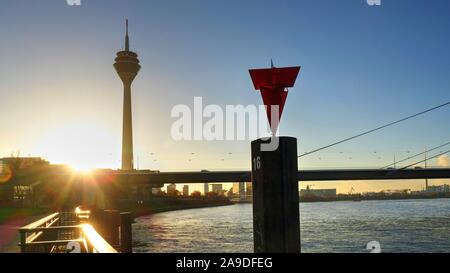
{"x": 362, "y": 67}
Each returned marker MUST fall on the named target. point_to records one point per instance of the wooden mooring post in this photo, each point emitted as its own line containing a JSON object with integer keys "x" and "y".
{"x": 112, "y": 222}
{"x": 126, "y": 239}
{"x": 276, "y": 217}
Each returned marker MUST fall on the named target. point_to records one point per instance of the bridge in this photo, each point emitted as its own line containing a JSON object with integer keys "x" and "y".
{"x": 245, "y": 176}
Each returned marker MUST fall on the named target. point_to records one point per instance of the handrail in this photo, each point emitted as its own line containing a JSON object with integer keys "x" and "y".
{"x": 58, "y": 242}
{"x": 97, "y": 242}
{"x": 40, "y": 222}
{"x": 54, "y": 228}
{"x": 33, "y": 229}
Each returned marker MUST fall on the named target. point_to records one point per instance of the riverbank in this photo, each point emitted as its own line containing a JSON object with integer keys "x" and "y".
{"x": 11, "y": 219}
{"x": 165, "y": 204}
{"x": 375, "y": 198}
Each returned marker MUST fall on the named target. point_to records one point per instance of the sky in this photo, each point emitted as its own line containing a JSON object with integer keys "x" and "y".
{"x": 362, "y": 66}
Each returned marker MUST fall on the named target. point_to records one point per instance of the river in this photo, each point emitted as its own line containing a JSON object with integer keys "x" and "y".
{"x": 342, "y": 227}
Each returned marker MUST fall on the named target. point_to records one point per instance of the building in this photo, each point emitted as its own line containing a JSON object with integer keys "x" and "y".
{"x": 205, "y": 188}
{"x": 171, "y": 189}
{"x": 239, "y": 189}
{"x": 248, "y": 189}
{"x": 22, "y": 163}
{"x": 438, "y": 189}
{"x": 318, "y": 193}
{"x": 156, "y": 191}
{"x": 217, "y": 188}
{"x": 185, "y": 190}
{"x": 127, "y": 67}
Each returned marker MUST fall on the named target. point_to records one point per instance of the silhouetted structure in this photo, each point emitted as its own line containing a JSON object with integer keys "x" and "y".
{"x": 185, "y": 190}
{"x": 127, "y": 66}
{"x": 239, "y": 189}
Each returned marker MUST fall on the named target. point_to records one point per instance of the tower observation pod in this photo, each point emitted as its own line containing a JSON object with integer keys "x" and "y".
{"x": 127, "y": 66}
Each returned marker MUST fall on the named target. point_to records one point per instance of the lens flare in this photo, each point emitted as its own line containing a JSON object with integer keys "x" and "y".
{"x": 5, "y": 173}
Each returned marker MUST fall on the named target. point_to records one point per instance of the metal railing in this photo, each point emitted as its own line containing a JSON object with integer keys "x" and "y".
{"x": 63, "y": 233}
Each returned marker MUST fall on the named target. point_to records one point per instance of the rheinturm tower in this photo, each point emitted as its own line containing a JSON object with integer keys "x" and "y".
{"x": 127, "y": 66}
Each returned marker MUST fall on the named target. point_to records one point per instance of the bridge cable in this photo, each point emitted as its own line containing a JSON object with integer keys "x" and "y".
{"x": 373, "y": 130}
{"x": 416, "y": 155}
{"x": 406, "y": 167}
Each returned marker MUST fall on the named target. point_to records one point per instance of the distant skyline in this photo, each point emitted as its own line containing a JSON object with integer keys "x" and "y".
{"x": 362, "y": 66}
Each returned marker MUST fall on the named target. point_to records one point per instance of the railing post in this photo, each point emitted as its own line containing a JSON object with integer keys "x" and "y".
{"x": 126, "y": 241}
{"x": 23, "y": 241}
{"x": 96, "y": 219}
{"x": 276, "y": 219}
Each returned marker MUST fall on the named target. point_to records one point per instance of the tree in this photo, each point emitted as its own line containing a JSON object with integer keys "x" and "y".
{"x": 196, "y": 194}
{"x": 212, "y": 194}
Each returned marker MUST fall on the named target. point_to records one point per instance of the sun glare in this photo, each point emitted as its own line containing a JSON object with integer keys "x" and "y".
{"x": 79, "y": 169}
{"x": 82, "y": 146}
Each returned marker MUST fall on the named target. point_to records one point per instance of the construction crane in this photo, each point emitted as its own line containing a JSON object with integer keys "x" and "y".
{"x": 352, "y": 190}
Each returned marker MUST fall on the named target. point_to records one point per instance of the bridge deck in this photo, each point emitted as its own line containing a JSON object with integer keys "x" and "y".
{"x": 306, "y": 175}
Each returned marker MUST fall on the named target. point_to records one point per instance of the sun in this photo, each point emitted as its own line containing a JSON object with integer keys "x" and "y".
{"x": 83, "y": 146}
{"x": 83, "y": 169}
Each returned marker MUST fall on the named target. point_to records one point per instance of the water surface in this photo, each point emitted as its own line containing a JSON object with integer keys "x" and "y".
{"x": 399, "y": 226}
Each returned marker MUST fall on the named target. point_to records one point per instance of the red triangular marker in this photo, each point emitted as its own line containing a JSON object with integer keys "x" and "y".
{"x": 273, "y": 83}
{"x": 271, "y": 98}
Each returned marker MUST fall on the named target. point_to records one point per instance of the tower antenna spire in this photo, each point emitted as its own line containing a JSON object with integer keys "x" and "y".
{"x": 127, "y": 38}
